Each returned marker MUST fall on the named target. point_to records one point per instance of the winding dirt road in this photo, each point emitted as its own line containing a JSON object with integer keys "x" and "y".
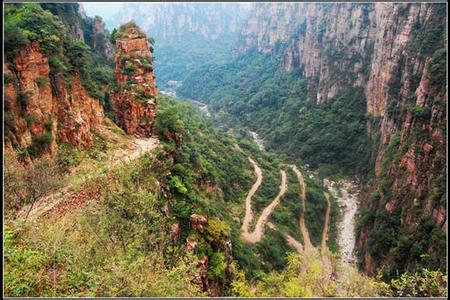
{"x": 256, "y": 235}
{"x": 303, "y": 228}
{"x": 248, "y": 201}
{"x": 138, "y": 147}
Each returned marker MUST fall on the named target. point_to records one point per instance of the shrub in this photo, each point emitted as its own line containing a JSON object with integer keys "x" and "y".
{"x": 48, "y": 125}
{"x": 9, "y": 122}
{"x": 421, "y": 113}
{"x": 127, "y": 27}
{"x": 8, "y": 79}
{"x": 217, "y": 266}
{"x": 67, "y": 157}
{"x": 30, "y": 22}
{"x": 112, "y": 36}
{"x": 21, "y": 268}
{"x": 129, "y": 69}
{"x": 41, "y": 81}
{"x": 103, "y": 75}
{"x": 124, "y": 59}
{"x": 79, "y": 56}
{"x": 23, "y": 98}
{"x": 39, "y": 143}
{"x": 119, "y": 35}
{"x": 422, "y": 283}
{"x": 168, "y": 122}
{"x": 437, "y": 69}
{"x": 14, "y": 38}
{"x": 56, "y": 64}
{"x": 217, "y": 229}
{"x": 31, "y": 119}
{"x": 22, "y": 153}
{"x": 176, "y": 185}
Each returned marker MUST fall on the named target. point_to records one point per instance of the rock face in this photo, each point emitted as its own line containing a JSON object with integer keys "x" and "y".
{"x": 309, "y": 37}
{"x": 100, "y": 41}
{"x": 41, "y": 111}
{"x": 70, "y": 14}
{"x": 198, "y": 221}
{"x": 135, "y": 99}
{"x": 174, "y": 21}
{"x": 81, "y": 27}
{"x": 394, "y": 52}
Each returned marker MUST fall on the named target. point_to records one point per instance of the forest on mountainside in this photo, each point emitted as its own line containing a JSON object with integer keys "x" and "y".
{"x": 113, "y": 189}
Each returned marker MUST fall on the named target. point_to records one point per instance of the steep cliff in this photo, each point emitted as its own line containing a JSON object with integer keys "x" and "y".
{"x": 327, "y": 43}
{"x": 51, "y": 95}
{"x": 92, "y": 31}
{"x": 42, "y": 112}
{"x": 135, "y": 96}
{"x": 100, "y": 41}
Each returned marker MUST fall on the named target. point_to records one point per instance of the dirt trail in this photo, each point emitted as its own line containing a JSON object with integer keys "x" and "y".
{"x": 47, "y": 203}
{"x": 303, "y": 228}
{"x": 257, "y": 234}
{"x": 326, "y": 223}
{"x": 248, "y": 201}
{"x": 289, "y": 239}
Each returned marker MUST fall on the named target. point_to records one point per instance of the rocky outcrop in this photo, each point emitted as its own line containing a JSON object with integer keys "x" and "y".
{"x": 175, "y": 232}
{"x": 100, "y": 41}
{"x": 135, "y": 98}
{"x": 43, "y": 111}
{"x": 198, "y": 221}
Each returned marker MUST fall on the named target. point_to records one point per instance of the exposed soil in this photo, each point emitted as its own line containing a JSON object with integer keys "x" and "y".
{"x": 303, "y": 228}
{"x": 257, "y": 234}
{"x": 47, "y": 203}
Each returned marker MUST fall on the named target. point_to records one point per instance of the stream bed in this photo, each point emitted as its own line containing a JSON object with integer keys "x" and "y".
{"x": 346, "y": 193}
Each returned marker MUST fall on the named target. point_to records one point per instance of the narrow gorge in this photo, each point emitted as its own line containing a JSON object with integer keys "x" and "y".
{"x": 174, "y": 149}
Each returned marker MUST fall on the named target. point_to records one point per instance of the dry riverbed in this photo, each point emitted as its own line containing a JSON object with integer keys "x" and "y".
{"x": 346, "y": 193}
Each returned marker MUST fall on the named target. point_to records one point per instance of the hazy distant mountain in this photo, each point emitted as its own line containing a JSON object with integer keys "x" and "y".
{"x": 173, "y": 21}
{"x": 186, "y": 34}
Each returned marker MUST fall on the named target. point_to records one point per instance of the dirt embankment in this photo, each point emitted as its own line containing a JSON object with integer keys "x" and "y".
{"x": 47, "y": 203}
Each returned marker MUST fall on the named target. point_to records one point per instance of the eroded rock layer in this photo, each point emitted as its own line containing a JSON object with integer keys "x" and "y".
{"x": 42, "y": 111}
{"x": 135, "y": 99}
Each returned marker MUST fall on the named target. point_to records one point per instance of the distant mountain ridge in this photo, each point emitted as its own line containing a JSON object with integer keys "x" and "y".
{"x": 171, "y": 22}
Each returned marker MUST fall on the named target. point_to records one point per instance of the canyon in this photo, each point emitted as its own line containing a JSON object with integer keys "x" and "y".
{"x": 377, "y": 55}
{"x": 311, "y": 162}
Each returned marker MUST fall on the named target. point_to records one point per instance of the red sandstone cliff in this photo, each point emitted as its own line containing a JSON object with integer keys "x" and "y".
{"x": 135, "y": 98}
{"x": 41, "y": 112}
